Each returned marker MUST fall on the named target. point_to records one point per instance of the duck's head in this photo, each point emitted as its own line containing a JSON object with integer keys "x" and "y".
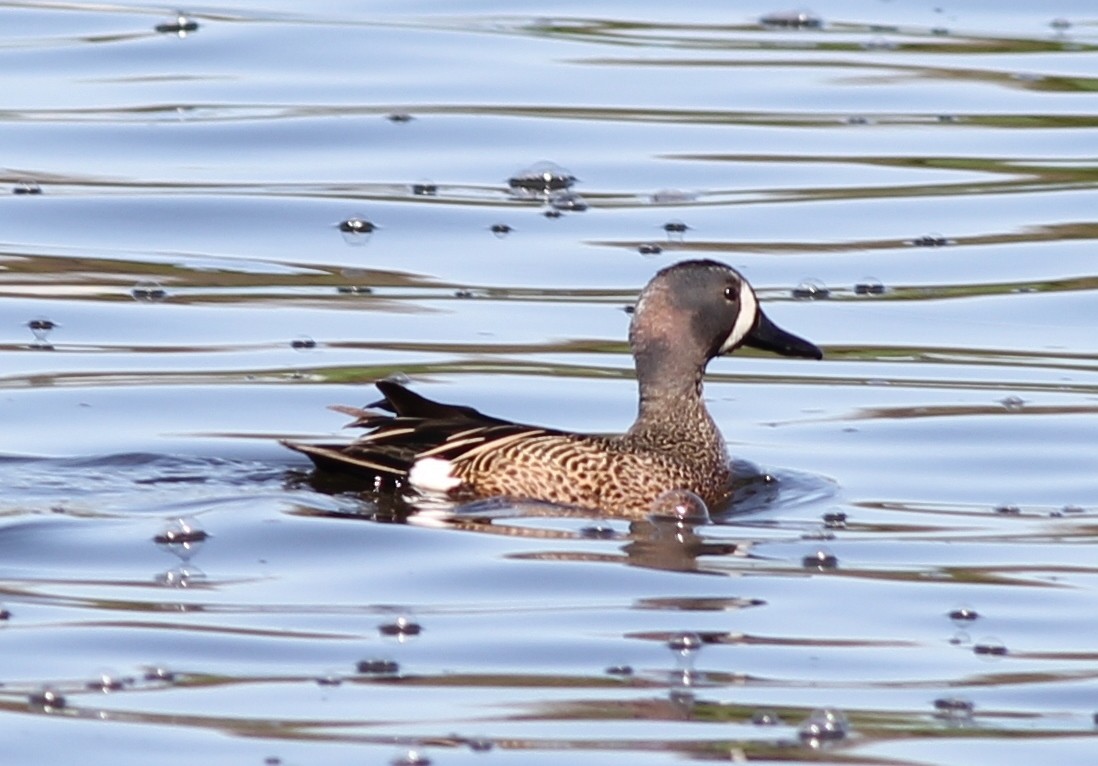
{"x": 696, "y": 310}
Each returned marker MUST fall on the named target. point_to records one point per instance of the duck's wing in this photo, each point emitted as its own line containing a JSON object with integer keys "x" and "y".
{"x": 405, "y": 427}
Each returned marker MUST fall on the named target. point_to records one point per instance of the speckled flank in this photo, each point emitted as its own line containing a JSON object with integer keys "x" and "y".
{"x": 688, "y": 313}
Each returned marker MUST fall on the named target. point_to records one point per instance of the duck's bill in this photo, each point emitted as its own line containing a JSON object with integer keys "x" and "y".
{"x": 767, "y": 336}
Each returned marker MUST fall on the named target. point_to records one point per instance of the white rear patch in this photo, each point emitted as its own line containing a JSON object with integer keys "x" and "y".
{"x": 749, "y": 312}
{"x": 432, "y": 474}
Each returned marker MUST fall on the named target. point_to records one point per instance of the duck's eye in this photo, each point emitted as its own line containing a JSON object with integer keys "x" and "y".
{"x": 731, "y": 293}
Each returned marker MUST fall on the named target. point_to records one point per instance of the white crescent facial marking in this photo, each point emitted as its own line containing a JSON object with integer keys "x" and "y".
{"x": 745, "y": 320}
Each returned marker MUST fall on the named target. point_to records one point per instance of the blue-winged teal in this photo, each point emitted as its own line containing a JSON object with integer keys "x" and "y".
{"x": 689, "y": 313}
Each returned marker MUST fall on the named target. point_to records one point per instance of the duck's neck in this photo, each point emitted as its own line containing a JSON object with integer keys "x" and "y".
{"x": 671, "y": 405}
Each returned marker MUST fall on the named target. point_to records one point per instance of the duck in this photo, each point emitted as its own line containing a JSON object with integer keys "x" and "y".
{"x": 688, "y": 314}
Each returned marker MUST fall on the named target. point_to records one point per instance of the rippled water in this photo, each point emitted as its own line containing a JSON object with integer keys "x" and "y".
{"x": 176, "y": 294}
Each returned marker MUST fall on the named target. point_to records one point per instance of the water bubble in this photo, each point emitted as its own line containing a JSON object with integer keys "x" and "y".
{"x": 685, "y": 643}
{"x": 402, "y": 627}
{"x": 356, "y": 230}
{"x": 680, "y": 505}
{"x": 399, "y": 118}
{"x": 811, "y": 289}
{"x": 1013, "y": 403}
{"x": 425, "y": 189}
{"x": 180, "y": 26}
{"x": 479, "y": 744}
{"x": 954, "y": 709}
{"x": 857, "y": 119}
{"x": 541, "y": 178}
{"x": 41, "y": 328}
{"x": 107, "y": 681}
{"x": 1073, "y": 509}
{"x": 766, "y": 718}
{"x": 675, "y": 230}
{"x": 934, "y": 239}
{"x": 355, "y": 290}
{"x": 797, "y": 19}
{"x": 629, "y": 309}
{"x": 879, "y": 44}
{"x": 947, "y": 119}
{"x": 990, "y": 647}
{"x": 378, "y": 667}
{"x": 869, "y": 286}
{"x": 149, "y": 291}
{"x": 939, "y": 31}
{"x": 5, "y": 613}
{"x": 47, "y": 698}
{"x": 302, "y": 343}
{"x": 672, "y": 197}
{"x": 26, "y": 187}
{"x": 598, "y": 531}
{"x": 181, "y": 576}
{"x": 963, "y": 615}
{"x": 411, "y": 758}
{"x": 500, "y": 229}
{"x": 825, "y": 725}
{"x": 182, "y": 537}
{"x": 551, "y": 213}
{"x": 159, "y": 674}
{"x": 835, "y": 520}
{"x": 821, "y": 560}
{"x": 1008, "y": 510}
{"x": 619, "y": 670}
{"x": 567, "y": 202}
{"x": 1061, "y": 25}
{"x": 329, "y": 679}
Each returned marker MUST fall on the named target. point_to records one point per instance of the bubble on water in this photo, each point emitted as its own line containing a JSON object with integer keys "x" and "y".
{"x": 989, "y": 646}
{"x": 26, "y": 187}
{"x": 41, "y": 328}
{"x": 330, "y": 678}
{"x": 685, "y": 644}
{"x": 620, "y": 670}
{"x": 5, "y": 613}
{"x": 672, "y": 197}
{"x": 398, "y": 377}
{"x": 795, "y": 19}
{"x": 933, "y": 239}
{"x": 403, "y": 627}
{"x": 159, "y": 674}
{"x": 963, "y": 615}
{"x": 479, "y": 744}
{"x": 180, "y": 577}
{"x": 825, "y": 725}
{"x": 811, "y": 289}
{"x": 821, "y": 560}
{"x": 680, "y": 505}
{"x": 869, "y": 286}
{"x": 425, "y": 189}
{"x": 47, "y": 698}
{"x": 954, "y": 709}
{"x": 501, "y": 230}
{"x": 302, "y": 343}
{"x": 879, "y": 44}
{"x": 676, "y": 230}
{"x": 355, "y": 290}
{"x": 939, "y": 31}
{"x": 598, "y": 531}
{"x": 411, "y": 758}
{"x": 149, "y": 291}
{"x": 399, "y": 118}
{"x": 108, "y": 681}
{"x": 834, "y": 520}
{"x": 182, "y": 537}
{"x": 1071, "y": 508}
{"x": 1007, "y": 509}
{"x": 551, "y": 213}
{"x": 541, "y": 178}
{"x": 766, "y": 718}
{"x": 378, "y": 667}
{"x": 1013, "y": 403}
{"x": 567, "y": 202}
{"x": 649, "y": 248}
{"x": 858, "y": 119}
{"x": 1060, "y": 24}
{"x": 356, "y": 230}
{"x": 180, "y": 26}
